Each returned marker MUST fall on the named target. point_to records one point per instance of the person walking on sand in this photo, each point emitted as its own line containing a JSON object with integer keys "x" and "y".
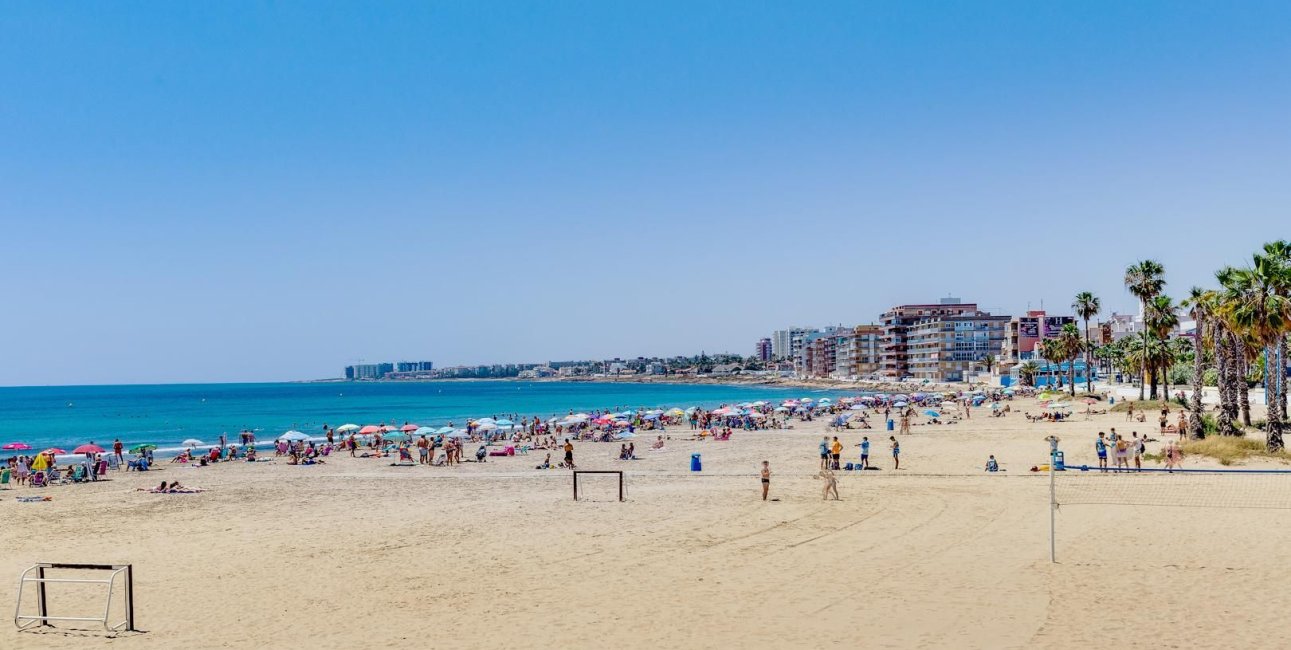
{"x": 117, "y": 448}
{"x": 831, "y": 485}
{"x": 896, "y": 452}
{"x": 766, "y": 479}
{"x": 569, "y": 454}
{"x": 824, "y": 452}
{"x": 1139, "y": 449}
{"x": 905, "y": 422}
{"x": 865, "y": 452}
{"x": 1129, "y": 411}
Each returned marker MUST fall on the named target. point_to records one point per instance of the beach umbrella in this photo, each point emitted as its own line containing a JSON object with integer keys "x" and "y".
{"x": 408, "y": 428}
{"x": 444, "y": 430}
{"x": 348, "y": 427}
{"x": 293, "y": 436}
{"x": 858, "y": 407}
{"x": 780, "y": 409}
{"x": 370, "y": 429}
{"x": 675, "y": 412}
{"x": 487, "y": 426}
{"x": 192, "y": 442}
{"x": 621, "y": 423}
{"x": 18, "y": 446}
{"x": 457, "y": 433}
{"x": 89, "y": 449}
{"x": 505, "y": 423}
{"x": 147, "y": 446}
{"x": 825, "y": 400}
{"x": 931, "y": 413}
{"x": 57, "y": 451}
{"x": 424, "y": 431}
{"x": 398, "y": 435}
{"x": 1058, "y": 405}
{"x": 626, "y": 434}
{"x": 996, "y": 406}
{"x": 899, "y": 404}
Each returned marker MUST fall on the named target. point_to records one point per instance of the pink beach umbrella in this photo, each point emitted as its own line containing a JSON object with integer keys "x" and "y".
{"x": 89, "y": 449}
{"x": 15, "y": 446}
{"x": 369, "y": 430}
{"x": 408, "y": 428}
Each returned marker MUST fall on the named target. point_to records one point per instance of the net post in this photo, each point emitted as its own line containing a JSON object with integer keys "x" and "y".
{"x": 41, "y": 607}
{"x": 1053, "y": 507}
{"x": 620, "y": 486}
{"x": 130, "y": 598}
{"x": 575, "y": 485}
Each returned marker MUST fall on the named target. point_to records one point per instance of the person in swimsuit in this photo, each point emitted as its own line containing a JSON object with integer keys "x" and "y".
{"x": 896, "y": 452}
{"x": 1100, "y": 446}
{"x": 766, "y": 479}
{"x": 831, "y": 485}
{"x": 569, "y": 454}
{"x": 865, "y": 452}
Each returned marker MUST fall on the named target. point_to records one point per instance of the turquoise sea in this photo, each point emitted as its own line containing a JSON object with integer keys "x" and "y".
{"x": 165, "y": 415}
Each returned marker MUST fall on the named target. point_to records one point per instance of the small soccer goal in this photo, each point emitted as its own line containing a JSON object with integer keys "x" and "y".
{"x": 598, "y": 485}
{"x": 119, "y": 581}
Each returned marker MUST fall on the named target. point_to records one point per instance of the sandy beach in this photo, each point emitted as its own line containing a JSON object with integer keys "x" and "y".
{"x": 356, "y": 553}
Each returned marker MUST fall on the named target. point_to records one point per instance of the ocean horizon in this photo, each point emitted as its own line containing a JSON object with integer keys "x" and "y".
{"x": 167, "y": 414}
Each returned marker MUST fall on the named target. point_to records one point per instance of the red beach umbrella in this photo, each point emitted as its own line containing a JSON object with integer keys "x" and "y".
{"x": 19, "y": 446}
{"x": 88, "y": 449}
{"x": 370, "y": 429}
{"x": 408, "y": 428}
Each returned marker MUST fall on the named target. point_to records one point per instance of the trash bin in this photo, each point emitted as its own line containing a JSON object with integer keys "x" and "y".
{"x": 1059, "y": 464}
{"x": 695, "y": 465}
{"x": 891, "y": 424}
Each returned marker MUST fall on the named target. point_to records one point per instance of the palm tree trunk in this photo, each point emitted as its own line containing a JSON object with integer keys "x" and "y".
{"x": 1143, "y": 367}
{"x": 1155, "y": 376}
{"x": 1071, "y": 374}
{"x": 1223, "y": 381}
{"x": 1282, "y": 372}
{"x": 1089, "y": 350}
{"x": 1243, "y": 391}
{"x": 1273, "y": 439}
{"x": 1198, "y": 369}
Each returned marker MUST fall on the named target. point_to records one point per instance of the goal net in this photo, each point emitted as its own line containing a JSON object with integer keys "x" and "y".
{"x": 599, "y": 485}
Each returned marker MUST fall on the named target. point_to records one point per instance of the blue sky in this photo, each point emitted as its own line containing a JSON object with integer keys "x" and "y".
{"x": 271, "y": 190}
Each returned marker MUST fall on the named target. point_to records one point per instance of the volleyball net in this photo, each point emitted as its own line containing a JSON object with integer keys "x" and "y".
{"x": 1259, "y": 489}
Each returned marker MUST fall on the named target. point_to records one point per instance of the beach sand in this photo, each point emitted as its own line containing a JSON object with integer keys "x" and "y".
{"x": 359, "y": 554}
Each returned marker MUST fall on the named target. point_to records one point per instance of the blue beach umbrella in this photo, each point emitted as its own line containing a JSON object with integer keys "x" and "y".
{"x": 931, "y": 413}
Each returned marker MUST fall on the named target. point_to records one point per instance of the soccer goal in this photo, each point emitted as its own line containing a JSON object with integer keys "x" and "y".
{"x": 1076, "y": 486}
{"x": 601, "y": 480}
{"x": 119, "y": 582}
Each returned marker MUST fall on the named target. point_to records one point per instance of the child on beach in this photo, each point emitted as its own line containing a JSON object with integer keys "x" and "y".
{"x": 896, "y": 452}
{"x": 831, "y": 485}
{"x": 766, "y": 479}
{"x": 1100, "y": 446}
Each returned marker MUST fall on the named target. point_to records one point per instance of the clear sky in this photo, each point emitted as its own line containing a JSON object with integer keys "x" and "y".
{"x": 226, "y": 191}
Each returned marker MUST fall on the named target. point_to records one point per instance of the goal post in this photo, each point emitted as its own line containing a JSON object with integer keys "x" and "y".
{"x": 39, "y": 574}
{"x": 1073, "y": 485}
{"x": 584, "y": 472}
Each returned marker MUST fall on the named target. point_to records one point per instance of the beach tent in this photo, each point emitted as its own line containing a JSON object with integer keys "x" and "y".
{"x": 293, "y": 436}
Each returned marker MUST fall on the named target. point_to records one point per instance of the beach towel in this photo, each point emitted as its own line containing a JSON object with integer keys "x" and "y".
{"x": 33, "y": 499}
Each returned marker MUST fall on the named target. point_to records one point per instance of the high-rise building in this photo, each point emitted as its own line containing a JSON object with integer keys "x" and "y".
{"x": 787, "y": 344}
{"x": 763, "y": 350}
{"x": 943, "y": 342}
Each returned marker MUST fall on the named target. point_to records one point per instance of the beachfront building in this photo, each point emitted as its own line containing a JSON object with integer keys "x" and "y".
{"x": 763, "y": 350}
{"x": 856, "y": 352}
{"x": 1023, "y": 334}
{"x": 941, "y": 342}
{"x": 1123, "y": 325}
{"x": 786, "y": 345}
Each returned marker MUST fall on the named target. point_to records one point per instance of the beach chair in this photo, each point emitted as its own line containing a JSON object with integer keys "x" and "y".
{"x": 78, "y": 474}
{"x": 39, "y": 479}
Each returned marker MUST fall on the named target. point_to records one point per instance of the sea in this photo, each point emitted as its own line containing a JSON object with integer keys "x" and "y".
{"x": 167, "y": 415}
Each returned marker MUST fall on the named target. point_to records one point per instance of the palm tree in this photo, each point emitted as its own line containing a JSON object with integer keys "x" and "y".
{"x": 1200, "y": 304}
{"x": 1160, "y": 320}
{"x": 1279, "y": 253}
{"x": 1051, "y": 350}
{"x": 1145, "y": 280}
{"x": 1027, "y": 372}
{"x": 1070, "y": 344}
{"x": 1263, "y": 318}
{"x": 1087, "y": 306}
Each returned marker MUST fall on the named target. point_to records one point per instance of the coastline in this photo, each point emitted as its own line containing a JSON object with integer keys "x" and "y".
{"x": 734, "y": 380}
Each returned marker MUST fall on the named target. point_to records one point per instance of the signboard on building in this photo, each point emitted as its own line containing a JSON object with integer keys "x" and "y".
{"x": 1029, "y": 327}
{"x": 1053, "y": 325}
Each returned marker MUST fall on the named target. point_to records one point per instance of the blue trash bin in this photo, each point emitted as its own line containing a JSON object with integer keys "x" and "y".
{"x": 891, "y": 425}
{"x": 1059, "y": 461}
{"x": 695, "y": 465}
